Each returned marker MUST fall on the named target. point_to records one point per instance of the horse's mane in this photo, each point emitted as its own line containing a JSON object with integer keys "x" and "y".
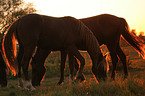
{"x": 90, "y": 40}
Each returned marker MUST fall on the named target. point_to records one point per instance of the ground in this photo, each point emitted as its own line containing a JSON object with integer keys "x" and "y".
{"x": 134, "y": 85}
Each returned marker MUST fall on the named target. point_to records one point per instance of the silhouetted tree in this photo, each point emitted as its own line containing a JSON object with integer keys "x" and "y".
{"x": 133, "y": 31}
{"x": 141, "y": 36}
{"x": 141, "y": 33}
{"x": 11, "y": 10}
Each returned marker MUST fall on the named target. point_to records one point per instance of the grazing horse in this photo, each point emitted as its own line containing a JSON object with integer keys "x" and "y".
{"x": 3, "y": 71}
{"x": 108, "y": 30}
{"x": 48, "y": 33}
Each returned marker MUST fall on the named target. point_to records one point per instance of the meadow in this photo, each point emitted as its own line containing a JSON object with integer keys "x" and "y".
{"x": 134, "y": 85}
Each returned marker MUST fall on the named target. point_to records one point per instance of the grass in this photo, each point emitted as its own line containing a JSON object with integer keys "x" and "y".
{"x": 133, "y": 86}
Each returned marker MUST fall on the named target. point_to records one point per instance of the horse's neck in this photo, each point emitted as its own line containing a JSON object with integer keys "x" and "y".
{"x": 95, "y": 55}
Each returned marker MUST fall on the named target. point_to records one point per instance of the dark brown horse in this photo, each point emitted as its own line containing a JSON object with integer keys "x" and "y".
{"x": 108, "y": 30}
{"x": 3, "y": 71}
{"x": 48, "y": 33}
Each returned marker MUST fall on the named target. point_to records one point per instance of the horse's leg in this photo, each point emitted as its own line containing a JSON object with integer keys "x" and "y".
{"x": 38, "y": 68}
{"x": 19, "y": 58}
{"x": 123, "y": 59}
{"x": 74, "y": 51}
{"x": 76, "y": 65}
{"x": 71, "y": 68}
{"x": 28, "y": 51}
{"x": 3, "y": 71}
{"x": 114, "y": 59}
{"x": 62, "y": 67}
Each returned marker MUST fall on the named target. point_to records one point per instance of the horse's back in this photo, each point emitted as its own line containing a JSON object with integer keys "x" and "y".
{"x": 105, "y": 27}
{"x": 48, "y": 32}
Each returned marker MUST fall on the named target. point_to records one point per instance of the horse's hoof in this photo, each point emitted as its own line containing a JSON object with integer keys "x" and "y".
{"x": 60, "y": 83}
{"x": 82, "y": 78}
{"x": 21, "y": 84}
{"x": 125, "y": 77}
{"x": 38, "y": 84}
{"x": 111, "y": 79}
{"x": 23, "y": 88}
{"x": 77, "y": 80}
{"x": 71, "y": 81}
{"x": 31, "y": 88}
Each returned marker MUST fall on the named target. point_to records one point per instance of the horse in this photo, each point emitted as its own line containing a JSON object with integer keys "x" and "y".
{"x": 107, "y": 29}
{"x": 50, "y": 33}
{"x": 3, "y": 71}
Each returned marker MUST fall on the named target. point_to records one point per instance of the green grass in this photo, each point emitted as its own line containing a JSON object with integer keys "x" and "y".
{"x": 133, "y": 86}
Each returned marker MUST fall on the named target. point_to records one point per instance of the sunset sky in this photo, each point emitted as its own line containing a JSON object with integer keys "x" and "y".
{"x": 132, "y": 10}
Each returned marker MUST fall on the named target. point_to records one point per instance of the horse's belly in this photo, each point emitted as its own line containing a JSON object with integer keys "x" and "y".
{"x": 53, "y": 46}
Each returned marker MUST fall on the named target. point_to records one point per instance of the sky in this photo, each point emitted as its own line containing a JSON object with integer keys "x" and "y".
{"x": 132, "y": 10}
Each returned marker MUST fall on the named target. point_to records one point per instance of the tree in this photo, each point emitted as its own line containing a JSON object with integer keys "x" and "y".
{"x": 141, "y": 36}
{"x": 133, "y": 31}
{"x": 11, "y": 10}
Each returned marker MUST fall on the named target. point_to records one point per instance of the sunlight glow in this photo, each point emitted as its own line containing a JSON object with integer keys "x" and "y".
{"x": 131, "y": 10}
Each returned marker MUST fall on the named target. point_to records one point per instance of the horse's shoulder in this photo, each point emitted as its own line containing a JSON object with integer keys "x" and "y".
{"x": 122, "y": 19}
{"x": 70, "y": 19}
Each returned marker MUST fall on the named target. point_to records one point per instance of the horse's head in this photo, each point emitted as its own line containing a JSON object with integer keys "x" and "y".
{"x": 38, "y": 70}
{"x": 3, "y": 76}
{"x": 100, "y": 69}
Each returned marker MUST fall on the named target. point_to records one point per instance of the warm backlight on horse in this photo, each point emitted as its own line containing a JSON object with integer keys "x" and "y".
{"x": 65, "y": 34}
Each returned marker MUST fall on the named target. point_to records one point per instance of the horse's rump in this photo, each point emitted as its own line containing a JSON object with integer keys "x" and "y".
{"x": 108, "y": 29}
{"x": 132, "y": 39}
{"x": 105, "y": 27}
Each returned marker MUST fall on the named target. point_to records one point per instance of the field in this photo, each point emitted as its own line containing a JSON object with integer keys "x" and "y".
{"x": 133, "y": 86}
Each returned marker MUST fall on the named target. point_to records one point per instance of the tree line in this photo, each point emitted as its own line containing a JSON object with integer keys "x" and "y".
{"x": 10, "y": 11}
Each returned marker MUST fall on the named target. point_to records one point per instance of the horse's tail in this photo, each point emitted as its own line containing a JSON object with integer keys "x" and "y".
{"x": 9, "y": 48}
{"x": 131, "y": 38}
